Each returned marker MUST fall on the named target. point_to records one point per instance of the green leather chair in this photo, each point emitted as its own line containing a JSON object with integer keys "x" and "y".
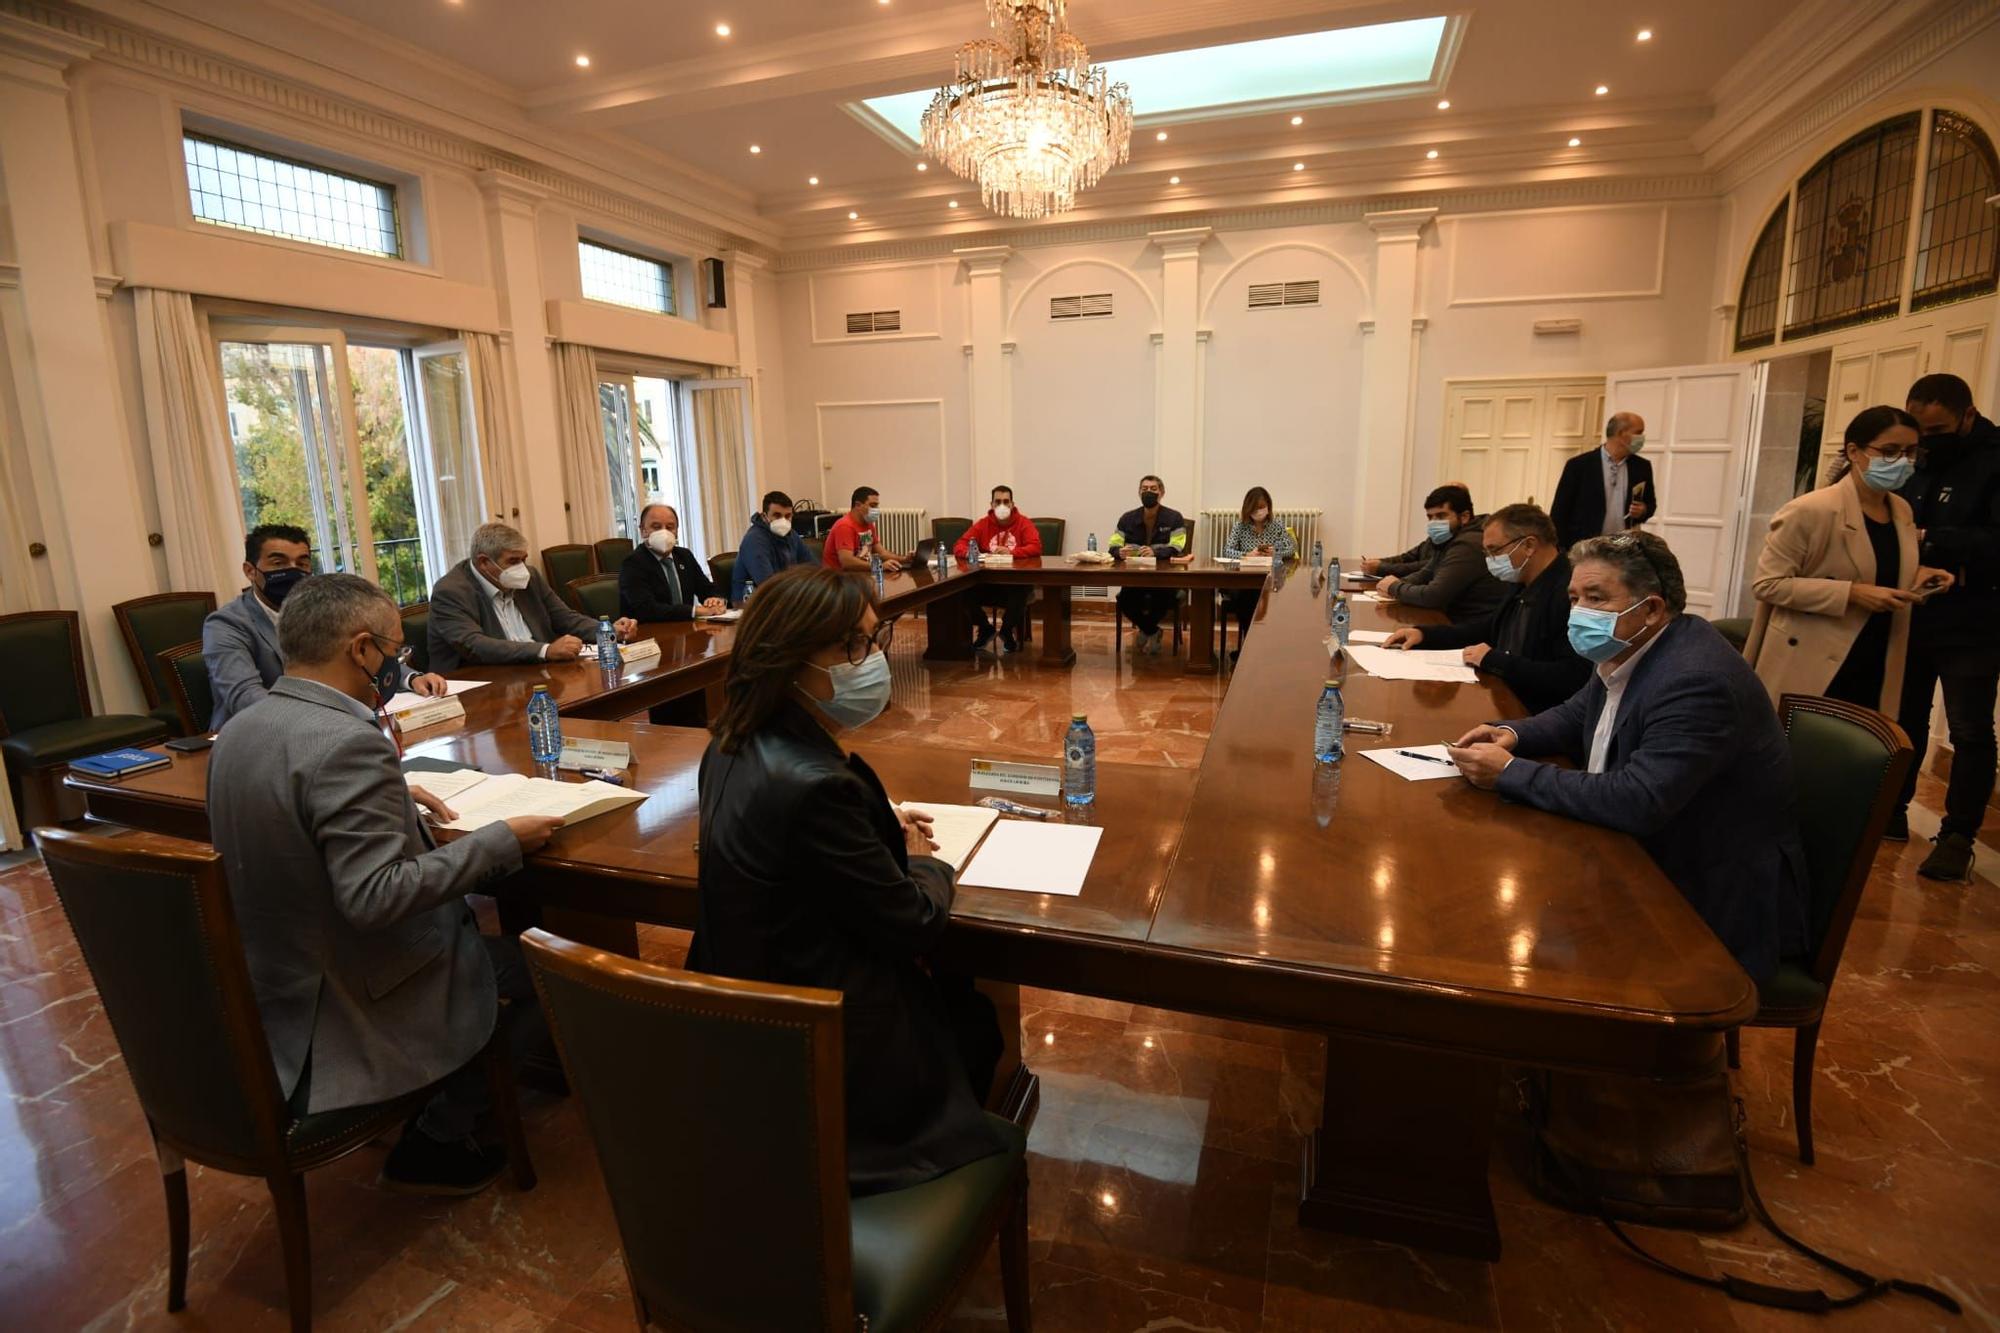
{"x": 595, "y": 595}
{"x": 724, "y": 1152}
{"x": 610, "y": 553}
{"x": 45, "y": 718}
{"x": 187, "y": 678}
{"x": 1053, "y": 531}
{"x": 1848, "y": 764}
{"x": 816, "y": 548}
{"x": 949, "y": 530}
{"x": 722, "y": 568}
{"x": 150, "y": 626}
{"x": 417, "y": 635}
{"x": 156, "y": 927}
{"x": 563, "y": 565}
{"x": 1736, "y": 629}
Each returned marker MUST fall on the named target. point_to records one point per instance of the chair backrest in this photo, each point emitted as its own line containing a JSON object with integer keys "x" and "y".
{"x": 188, "y": 684}
{"x": 1848, "y": 764}
{"x": 417, "y": 634}
{"x": 816, "y": 548}
{"x": 949, "y": 530}
{"x": 724, "y": 1150}
{"x": 1736, "y": 629}
{"x": 156, "y": 927}
{"x": 1053, "y": 531}
{"x": 151, "y": 625}
{"x": 610, "y": 553}
{"x": 595, "y": 595}
{"x": 562, "y": 565}
{"x": 43, "y": 682}
{"x": 722, "y": 568}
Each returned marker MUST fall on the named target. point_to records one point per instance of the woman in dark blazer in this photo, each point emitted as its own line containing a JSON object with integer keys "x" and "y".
{"x": 809, "y": 877}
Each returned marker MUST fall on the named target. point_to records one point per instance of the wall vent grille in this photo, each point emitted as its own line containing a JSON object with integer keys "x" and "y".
{"x": 1275, "y": 295}
{"x": 1096, "y": 305}
{"x": 875, "y": 321}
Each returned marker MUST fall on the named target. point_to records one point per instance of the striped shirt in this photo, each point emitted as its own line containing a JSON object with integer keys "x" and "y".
{"x": 1247, "y": 537}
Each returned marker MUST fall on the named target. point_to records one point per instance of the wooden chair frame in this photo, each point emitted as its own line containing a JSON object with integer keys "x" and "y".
{"x": 1825, "y": 961}
{"x": 122, "y": 612}
{"x": 172, "y": 657}
{"x": 40, "y": 783}
{"x": 818, "y": 1013}
{"x": 282, "y": 1166}
{"x": 403, "y": 613}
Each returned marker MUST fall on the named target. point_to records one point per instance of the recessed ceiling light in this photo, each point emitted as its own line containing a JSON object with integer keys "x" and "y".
{"x": 812, "y": 180}
{"x": 1173, "y": 180}
{"x": 852, "y": 216}
{"x": 1576, "y": 143}
{"x": 1298, "y": 166}
{"x": 1445, "y": 105}
{"x": 1645, "y": 34}
{"x": 1161, "y": 136}
{"x": 923, "y": 166}
{"x": 1298, "y": 120}
{"x": 1601, "y": 90}
{"x": 756, "y": 148}
{"x": 583, "y": 62}
{"x": 722, "y": 30}
{"x": 953, "y": 203}
{"x": 1432, "y": 155}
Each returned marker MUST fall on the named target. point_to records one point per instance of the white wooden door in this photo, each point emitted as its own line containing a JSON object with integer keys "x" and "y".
{"x": 1573, "y": 421}
{"x": 1507, "y": 440}
{"x": 1698, "y": 434}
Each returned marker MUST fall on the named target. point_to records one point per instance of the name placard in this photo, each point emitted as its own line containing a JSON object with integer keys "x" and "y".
{"x": 583, "y": 752}
{"x": 639, "y": 650}
{"x": 1004, "y": 775}
{"x": 997, "y": 558}
{"x": 1255, "y": 562}
{"x": 429, "y": 713}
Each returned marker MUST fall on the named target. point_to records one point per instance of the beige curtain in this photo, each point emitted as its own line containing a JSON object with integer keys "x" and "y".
{"x": 580, "y": 425}
{"x": 722, "y": 458}
{"x": 495, "y": 425}
{"x": 187, "y": 427}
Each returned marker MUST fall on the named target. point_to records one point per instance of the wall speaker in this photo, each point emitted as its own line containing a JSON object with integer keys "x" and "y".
{"x": 714, "y": 289}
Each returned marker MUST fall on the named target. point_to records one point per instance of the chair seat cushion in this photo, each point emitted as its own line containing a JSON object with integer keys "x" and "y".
{"x": 1790, "y": 993}
{"x": 312, "y": 1135}
{"x": 910, "y": 1246}
{"x": 60, "y": 742}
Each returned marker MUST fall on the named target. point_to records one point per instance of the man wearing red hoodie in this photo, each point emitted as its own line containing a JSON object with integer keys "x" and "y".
{"x": 1003, "y": 528}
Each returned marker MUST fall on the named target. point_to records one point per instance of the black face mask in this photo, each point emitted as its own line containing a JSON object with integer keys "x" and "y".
{"x": 278, "y": 584}
{"x": 387, "y": 678}
{"x": 1150, "y": 499}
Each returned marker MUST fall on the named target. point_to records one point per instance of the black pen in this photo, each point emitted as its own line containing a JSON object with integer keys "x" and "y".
{"x": 1427, "y": 758}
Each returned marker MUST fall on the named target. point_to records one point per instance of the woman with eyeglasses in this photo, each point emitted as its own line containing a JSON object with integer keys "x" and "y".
{"x": 810, "y": 877}
{"x": 1839, "y": 574}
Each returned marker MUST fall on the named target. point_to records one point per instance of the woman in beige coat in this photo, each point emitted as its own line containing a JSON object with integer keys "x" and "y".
{"x": 1839, "y": 574}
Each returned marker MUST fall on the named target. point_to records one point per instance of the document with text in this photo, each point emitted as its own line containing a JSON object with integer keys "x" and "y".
{"x": 405, "y": 700}
{"x": 1441, "y": 664}
{"x": 508, "y": 795}
{"x": 956, "y": 829}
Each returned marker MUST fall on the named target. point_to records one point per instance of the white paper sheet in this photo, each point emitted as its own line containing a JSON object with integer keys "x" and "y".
{"x": 444, "y": 786}
{"x": 1363, "y": 595}
{"x": 729, "y": 617}
{"x": 956, "y": 829}
{"x": 1438, "y": 664}
{"x": 1029, "y": 857}
{"x": 1396, "y": 759}
{"x": 405, "y": 700}
{"x": 1368, "y": 636}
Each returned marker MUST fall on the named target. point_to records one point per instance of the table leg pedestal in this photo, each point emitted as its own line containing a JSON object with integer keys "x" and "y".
{"x": 1201, "y": 632}
{"x": 1057, "y": 650}
{"x": 948, "y": 629}
{"x": 1401, "y": 1154}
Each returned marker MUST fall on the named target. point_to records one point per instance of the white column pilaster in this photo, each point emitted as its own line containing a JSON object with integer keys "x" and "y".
{"x": 748, "y": 294}
{"x": 85, "y": 486}
{"x": 992, "y": 411}
{"x": 517, "y": 276}
{"x": 1177, "y": 380}
{"x": 1389, "y": 370}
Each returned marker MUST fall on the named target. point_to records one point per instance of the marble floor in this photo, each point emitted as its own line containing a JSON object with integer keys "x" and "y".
{"x": 1165, "y": 1159}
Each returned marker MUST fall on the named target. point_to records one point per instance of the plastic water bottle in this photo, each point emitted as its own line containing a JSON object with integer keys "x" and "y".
{"x": 1325, "y": 793}
{"x": 544, "y": 727}
{"x": 607, "y": 644}
{"x": 943, "y": 561}
{"x": 972, "y": 554}
{"x": 1333, "y": 572}
{"x": 1319, "y": 554}
{"x": 1328, "y": 716}
{"x": 1341, "y": 618}
{"x": 749, "y": 586}
{"x": 875, "y": 568}
{"x": 1079, "y": 762}
{"x": 1091, "y": 545}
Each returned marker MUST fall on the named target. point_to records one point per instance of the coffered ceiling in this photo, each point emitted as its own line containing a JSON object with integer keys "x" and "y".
{"x": 1539, "y": 90}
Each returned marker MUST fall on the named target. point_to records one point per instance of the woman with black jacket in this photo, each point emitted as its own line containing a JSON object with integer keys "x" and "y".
{"x": 809, "y": 877}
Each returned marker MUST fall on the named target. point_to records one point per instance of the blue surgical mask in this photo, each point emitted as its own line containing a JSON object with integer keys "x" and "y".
{"x": 860, "y": 691}
{"x": 1594, "y": 634}
{"x": 1638, "y": 443}
{"x": 873, "y": 510}
{"x": 1889, "y": 474}
{"x": 1439, "y": 530}
{"x": 1501, "y": 566}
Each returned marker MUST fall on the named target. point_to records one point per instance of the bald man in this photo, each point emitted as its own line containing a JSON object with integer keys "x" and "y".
{"x": 1607, "y": 490}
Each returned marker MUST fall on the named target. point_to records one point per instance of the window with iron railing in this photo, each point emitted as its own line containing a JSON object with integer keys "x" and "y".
{"x": 1848, "y": 236}
{"x": 1757, "y": 310}
{"x": 1958, "y": 240}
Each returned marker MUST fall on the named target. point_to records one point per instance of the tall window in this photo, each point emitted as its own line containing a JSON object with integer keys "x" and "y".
{"x": 625, "y": 279}
{"x": 1958, "y": 244}
{"x": 251, "y": 190}
{"x": 1850, "y": 234}
{"x": 1757, "y": 311}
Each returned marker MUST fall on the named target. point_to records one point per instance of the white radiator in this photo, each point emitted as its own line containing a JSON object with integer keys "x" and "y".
{"x": 1213, "y": 528}
{"x": 902, "y": 529}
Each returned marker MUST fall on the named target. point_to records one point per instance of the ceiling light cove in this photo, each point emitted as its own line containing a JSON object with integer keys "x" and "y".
{"x": 1298, "y": 166}
{"x": 722, "y": 30}
{"x": 1173, "y": 180}
{"x": 852, "y": 216}
{"x": 756, "y": 148}
{"x": 923, "y": 166}
{"x": 1161, "y": 136}
{"x": 1602, "y": 90}
{"x": 1298, "y": 120}
{"x": 952, "y": 204}
{"x": 812, "y": 180}
{"x": 1432, "y": 155}
{"x": 583, "y": 62}
{"x": 1445, "y": 105}
{"x": 1645, "y": 34}
{"x": 1576, "y": 143}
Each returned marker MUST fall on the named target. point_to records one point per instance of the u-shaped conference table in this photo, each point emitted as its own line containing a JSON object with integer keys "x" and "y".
{"x": 1432, "y": 932}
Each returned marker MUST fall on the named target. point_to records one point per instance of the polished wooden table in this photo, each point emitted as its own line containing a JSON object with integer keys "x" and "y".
{"x": 1431, "y": 931}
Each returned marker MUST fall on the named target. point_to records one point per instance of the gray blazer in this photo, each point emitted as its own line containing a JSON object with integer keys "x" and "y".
{"x": 465, "y": 629}
{"x": 239, "y": 645}
{"x": 362, "y": 950}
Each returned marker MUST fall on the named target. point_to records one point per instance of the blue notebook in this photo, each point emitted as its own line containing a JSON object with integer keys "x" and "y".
{"x": 121, "y": 763}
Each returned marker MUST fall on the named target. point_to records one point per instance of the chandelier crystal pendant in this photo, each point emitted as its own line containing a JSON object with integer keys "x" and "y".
{"x": 1028, "y": 117}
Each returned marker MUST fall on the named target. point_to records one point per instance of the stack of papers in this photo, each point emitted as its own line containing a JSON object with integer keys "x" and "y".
{"x": 404, "y": 701}
{"x": 479, "y": 800}
{"x": 956, "y": 829}
{"x": 1440, "y": 664}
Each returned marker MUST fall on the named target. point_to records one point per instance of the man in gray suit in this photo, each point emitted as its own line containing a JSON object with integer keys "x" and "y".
{"x": 370, "y": 975}
{"x": 494, "y": 609}
{"x": 239, "y": 640}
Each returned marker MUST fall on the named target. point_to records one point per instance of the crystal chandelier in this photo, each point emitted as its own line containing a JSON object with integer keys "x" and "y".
{"x": 1028, "y": 116}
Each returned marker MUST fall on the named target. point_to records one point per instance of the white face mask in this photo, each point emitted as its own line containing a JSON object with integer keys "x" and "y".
{"x": 514, "y": 577}
{"x": 661, "y": 540}
{"x": 781, "y": 527}
{"x": 1258, "y": 516}
{"x": 1002, "y": 513}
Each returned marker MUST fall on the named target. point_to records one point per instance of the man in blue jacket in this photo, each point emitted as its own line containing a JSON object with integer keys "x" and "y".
{"x": 1155, "y": 530}
{"x": 1674, "y": 741}
{"x": 769, "y": 546}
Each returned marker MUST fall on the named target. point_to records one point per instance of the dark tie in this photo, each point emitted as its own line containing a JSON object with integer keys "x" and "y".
{"x": 673, "y": 579}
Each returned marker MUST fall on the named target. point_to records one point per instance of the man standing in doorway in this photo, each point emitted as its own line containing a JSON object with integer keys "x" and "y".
{"x": 1955, "y": 635}
{"x": 1607, "y": 490}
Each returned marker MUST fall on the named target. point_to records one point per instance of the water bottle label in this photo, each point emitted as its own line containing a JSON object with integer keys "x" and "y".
{"x": 1074, "y": 754}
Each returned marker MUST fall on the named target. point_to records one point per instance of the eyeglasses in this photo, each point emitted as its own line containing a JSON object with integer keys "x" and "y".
{"x": 1502, "y": 550}
{"x": 401, "y": 654}
{"x": 1891, "y": 455}
{"x": 858, "y": 644}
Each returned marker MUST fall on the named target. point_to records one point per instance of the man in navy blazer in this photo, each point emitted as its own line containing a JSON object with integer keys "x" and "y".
{"x": 661, "y": 579}
{"x": 1674, "y": 741}
{"x": 1609, "y": 489}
